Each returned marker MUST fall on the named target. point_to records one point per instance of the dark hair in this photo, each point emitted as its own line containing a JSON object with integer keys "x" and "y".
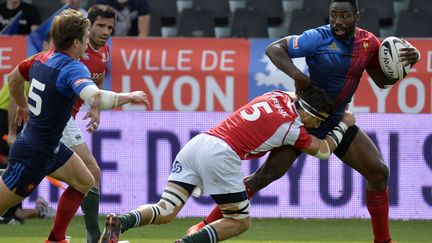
{"x": 100, "y": 10}
{"x": 317, "y": 98}
{"x": 66, "y": 27}
{"x": 353, "y": 3}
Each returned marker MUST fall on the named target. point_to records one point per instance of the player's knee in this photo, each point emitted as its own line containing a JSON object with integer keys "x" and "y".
{"x": 380, "y": 175}
{"x": 243, "y": 225}
{"x": 86, "y": 183}
{"x": 96, "y": 173}
{"x": 239, "y": 212}
{"x": 165, "y": 213}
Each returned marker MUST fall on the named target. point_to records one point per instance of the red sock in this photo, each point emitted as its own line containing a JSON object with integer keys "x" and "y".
{"x": 377, "y": 203}
{"x": 67, "y": 206}
{"x": 216, "y": 213}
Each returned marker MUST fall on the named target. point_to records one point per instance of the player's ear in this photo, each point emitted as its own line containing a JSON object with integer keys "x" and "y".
{"x": 357, "y": 17}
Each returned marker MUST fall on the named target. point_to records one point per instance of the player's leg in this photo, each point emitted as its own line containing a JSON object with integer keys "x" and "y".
{"x": 276, "y": 165}
{"x": 172, "y": 201}
{"x": 362, "y": 155}
{"x": 79, "y": 179}
{"x": 8, "y": 198}
{"x": 235, "y": 220}
{"x": 72, "y": 138}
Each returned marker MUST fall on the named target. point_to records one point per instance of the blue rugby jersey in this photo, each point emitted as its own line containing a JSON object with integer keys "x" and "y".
{"x": 56, "y": 80}
{"x": 335, "y": 65}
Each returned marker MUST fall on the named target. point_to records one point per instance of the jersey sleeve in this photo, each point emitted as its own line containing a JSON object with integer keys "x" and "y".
{"x": 304, "y": 45}
{"x": 374, "y": 61}
{"x": 304, "y": 140}
{"x": 74, "y": 78}
{"x": 24, "y": 67}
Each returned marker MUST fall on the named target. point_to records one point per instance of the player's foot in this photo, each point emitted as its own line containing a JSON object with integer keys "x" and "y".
{"x": 45, "y": 211}
{"x": 195, "y": 228}
{"x": 111, "y": 233}
{"x": 62, "y": 241}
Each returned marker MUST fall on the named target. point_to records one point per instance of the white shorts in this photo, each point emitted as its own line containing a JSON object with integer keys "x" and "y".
{"x": 209, "y": 163}
{"x": 72, "y": 135}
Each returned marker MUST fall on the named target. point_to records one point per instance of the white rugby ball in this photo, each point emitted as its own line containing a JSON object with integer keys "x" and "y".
{"x": 389, "y": 58}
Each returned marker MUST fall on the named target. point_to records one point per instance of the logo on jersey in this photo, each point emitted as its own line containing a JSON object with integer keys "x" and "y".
{"x": 29, "y": 187}
{"x": 104, "y": 58}
{"x": 365, "y": 45}
{"x": 295, "y": 42}
{"x": 81, "y": 81}
{"x": 333, "y": 47}
{"x": 177, "y": 167}
{"x": 85, "y": 56}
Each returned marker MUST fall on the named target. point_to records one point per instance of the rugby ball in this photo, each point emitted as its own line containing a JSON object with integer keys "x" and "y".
{"x": 389, "y": 58}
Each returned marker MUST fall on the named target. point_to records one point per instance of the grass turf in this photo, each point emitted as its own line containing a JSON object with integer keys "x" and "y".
{"x": 262, "y": 230}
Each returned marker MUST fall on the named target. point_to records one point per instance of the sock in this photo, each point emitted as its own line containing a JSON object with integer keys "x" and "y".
{"x": 377, "y": 203}
{"x": 205, "y": 235}
{"x": 90, "y": 208}
{"x": 130, "y": 220}
{"x": 66, "y": 208}
{"x": 216, "y": 213}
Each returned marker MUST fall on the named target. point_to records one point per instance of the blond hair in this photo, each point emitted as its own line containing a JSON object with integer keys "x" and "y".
{"x": 69, "y": 25}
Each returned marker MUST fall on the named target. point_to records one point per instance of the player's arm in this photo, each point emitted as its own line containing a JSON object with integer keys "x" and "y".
{"x": 277, "y": 52}
{"x": 144, "y": 25}
{"x": 323, "y": 148}
{"x": 16, "y": 88}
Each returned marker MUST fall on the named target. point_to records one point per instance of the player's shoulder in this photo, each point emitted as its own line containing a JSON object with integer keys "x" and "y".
{"x": 364, "y": 34}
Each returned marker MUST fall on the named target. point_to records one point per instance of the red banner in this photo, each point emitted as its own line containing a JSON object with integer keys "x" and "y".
{"x": 12, "y": 51}
{"x": 410, "y": 95}
{"x": 183, "y": 74}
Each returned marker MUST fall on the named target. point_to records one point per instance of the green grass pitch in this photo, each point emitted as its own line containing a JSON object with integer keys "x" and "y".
{"x": 262, "y": 230}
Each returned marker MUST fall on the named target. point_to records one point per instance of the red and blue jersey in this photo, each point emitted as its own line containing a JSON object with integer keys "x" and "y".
{"x": 56, "y": 80}
{"x": 335, "y": 65}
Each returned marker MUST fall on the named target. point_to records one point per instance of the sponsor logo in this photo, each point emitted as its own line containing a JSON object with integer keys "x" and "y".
{"x": 177, "y": 167}
{"x": 333, "y": 47}
{"x": 365, "y": 45}
{"x": 77, "y": 137}
{"x": 104, "y": 58}
{"x": 81, "y": 81}
{"x": 295, "y": 42}
{"x": 29, "y": 187}
{"x": 274, "y": 77}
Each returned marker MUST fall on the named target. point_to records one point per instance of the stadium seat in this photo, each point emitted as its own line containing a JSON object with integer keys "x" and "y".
{"x": 272, "y": 10}
{"x": 196, "y": 22}
{"x": 220, "y": 8}
{"x": 249, "y": 23}
{"x": 302, "y": 20}
{"x": 369, "y": 21}
{"x": 420, "y": 5}
{"x": 155, "y": 24}
{"x": 384, "y": 8}
{"x": 414, "y": 24}
{"x": 47, "y": 8}
{"x": 320, "y": 7}
{"x": 167, "y": 9}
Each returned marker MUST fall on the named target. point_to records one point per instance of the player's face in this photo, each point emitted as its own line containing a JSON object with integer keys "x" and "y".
{"x": 310, "y": 121}
{"x": 343, "y": 19}
{"x": 100, "y": 31}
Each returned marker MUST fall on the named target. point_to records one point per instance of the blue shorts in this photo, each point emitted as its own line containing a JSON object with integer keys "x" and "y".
{"x": 28, "y": 167}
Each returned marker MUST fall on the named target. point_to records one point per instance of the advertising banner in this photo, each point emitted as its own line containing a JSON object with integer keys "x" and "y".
{"x": 135, "y": 151}
{"x": 182, "y": 74}
{"x": 12, "y": 51}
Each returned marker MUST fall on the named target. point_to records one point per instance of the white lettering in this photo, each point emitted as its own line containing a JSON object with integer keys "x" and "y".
{"x": 381, "y": 95}
{"x": 225, "y": 60}
{"x": 147, "y": 62}
{"x": 182, "y": 59}
{"x": 429, "y": 61}
{"x": 195, "y": 93}
{"x": 155, "y": 91}
{"x": 209, "y": 60}
{"x": 213, "y": 91}
{"x": 4, "y": 57}
{"x": 127, "y": 61}
{"x": 402, "y": 98}
{"x": 164, "y": 60}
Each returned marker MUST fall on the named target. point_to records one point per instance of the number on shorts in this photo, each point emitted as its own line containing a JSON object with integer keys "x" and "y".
{"x": 256, "y": 111}
{"x": 36, "y": 110}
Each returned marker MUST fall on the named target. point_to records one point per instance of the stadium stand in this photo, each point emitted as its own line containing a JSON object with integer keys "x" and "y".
{"x": 420, "y": 5}
{"x": 196, "y": 22}
{"x": 272, "y": 10}
{"x": 166, "y": 9}
{"x": 384, "y": 8}
{"x": 249, "y": 23}
{"x": 321, "y": 8}
{"x": 302, "y": 20}
{"x": 414, "y": 24}
{"x": 369, "y": 20}
{"x": 220, "y": 8}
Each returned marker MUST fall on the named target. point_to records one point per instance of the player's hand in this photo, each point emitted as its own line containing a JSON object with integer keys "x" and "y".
{"x": 349, "y": 118}
{"x": 139, "y": 97}
{"x": 94, "y": 115}
{"x": 409, "y": 55}
{"x": 22, "y": 115}
{"x": 11, "y": 137}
